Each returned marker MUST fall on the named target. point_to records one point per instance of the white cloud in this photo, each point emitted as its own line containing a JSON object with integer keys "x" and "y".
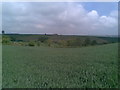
{"x": 108, "y": 21}
{"x": 114, "y": 14}
{"x": 40, "y": 26}
{"x": 93, "y": 14}
{"x": 61, "y": 18}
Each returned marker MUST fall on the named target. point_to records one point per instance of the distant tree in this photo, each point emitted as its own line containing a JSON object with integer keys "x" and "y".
{"x": 78, "y": 42}
{"x": 13, "y": 39}
{"x": 3, "y": 32}
{"x": 105, "y": 43}
{"x": 87, "y": 42}
{"x": 94, "y": 42}
{"x": 68, "y": 43}
{"x": 42, "y": 38}
{"x": 75, "y": 42}
{"x": 62, "y": 43}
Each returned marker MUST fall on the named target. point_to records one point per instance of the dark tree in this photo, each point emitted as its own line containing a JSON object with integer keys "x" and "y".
{"x": 94, "y": 42}
{"x": 31, "y": 43}
{"x": 87, "y": 42}
{"x": 13, "y": 39}
{"x": 3, "y": 32}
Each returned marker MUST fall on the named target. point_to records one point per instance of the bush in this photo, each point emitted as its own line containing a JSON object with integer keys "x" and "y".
{"x": 74, "y": 42}
{"x": 6, "y": 40}
{"x": 94, "y": 42}
{"x": 38, "y": 43}
{"x": 13, "y": 39}
{"x": 49, "y": 42}
{"x": 62, "y": 43}
{"x": 31, "y": 44}
{"x": 43, "y": 39}
{"x": 87, "y": 42}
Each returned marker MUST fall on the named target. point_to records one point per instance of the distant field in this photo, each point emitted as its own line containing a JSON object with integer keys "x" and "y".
{"x": 43, "y": 67}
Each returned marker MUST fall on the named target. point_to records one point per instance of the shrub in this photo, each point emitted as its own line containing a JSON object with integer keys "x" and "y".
{"x": 105, "y": 42}
{"x": 13, "y": 39}
{"x": 62, "y": 43}
{"x": 31, "y": 44}
{"x": 74, "y": 42}
{"x": 43, "y": 39}
{"x": 87, "y": 42}
{"x": 6, "y": 40}
{"x": 38, "y": 43}
{"x": 94, "y": 42}
{"x": 49, "y": 42}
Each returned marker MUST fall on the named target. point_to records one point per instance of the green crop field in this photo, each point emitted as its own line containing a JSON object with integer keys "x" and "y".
{"x": 45, "y": 67}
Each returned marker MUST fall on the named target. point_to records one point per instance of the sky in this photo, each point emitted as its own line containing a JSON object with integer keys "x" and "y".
{"x": 64, "y": 18}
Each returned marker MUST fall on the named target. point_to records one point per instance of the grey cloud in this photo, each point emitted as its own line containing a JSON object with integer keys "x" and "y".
{"x": 60, "y": 18}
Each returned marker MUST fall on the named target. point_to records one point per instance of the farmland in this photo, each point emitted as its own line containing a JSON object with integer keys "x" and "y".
{"x": 47, "y": 67}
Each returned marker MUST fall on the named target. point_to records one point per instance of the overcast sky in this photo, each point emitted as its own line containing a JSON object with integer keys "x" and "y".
{"x": 60, "y": 18}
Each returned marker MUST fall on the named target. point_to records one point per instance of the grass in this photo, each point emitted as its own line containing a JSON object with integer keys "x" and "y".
{"x": 43, "y": 67}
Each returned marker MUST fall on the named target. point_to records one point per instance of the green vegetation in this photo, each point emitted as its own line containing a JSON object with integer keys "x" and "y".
{"x": 6, "y": 40}
{"x": 42, "y": 39}
{"x": 94, "y": 42}
{"x": 45, "y": 67}
{"x": 31, "y": 43}
{"x": 59, "y": 41}
{"x": 59, "y": 61}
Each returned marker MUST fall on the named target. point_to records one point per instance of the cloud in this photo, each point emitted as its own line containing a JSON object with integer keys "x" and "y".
{"x": 60, "y": 18}
{"x": 93, "y": 14}
{"x": 108, "y": 21}
{"x": 114, "y": 13}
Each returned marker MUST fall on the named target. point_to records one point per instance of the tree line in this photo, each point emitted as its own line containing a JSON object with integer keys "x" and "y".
{"x": 47, "y": 41}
